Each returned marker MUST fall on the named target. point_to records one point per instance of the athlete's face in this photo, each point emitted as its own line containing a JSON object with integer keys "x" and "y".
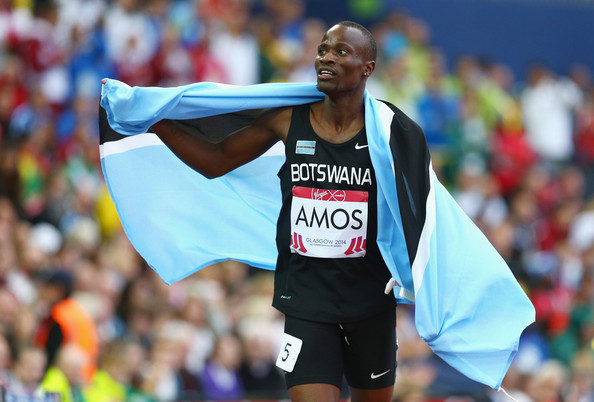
{"x": 342, "y": 62}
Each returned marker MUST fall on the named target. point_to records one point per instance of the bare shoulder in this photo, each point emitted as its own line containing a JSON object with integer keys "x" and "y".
{"x": 276, "y": 120}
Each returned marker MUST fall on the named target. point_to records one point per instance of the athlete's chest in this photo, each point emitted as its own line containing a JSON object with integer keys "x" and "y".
{"x": 330, "y": 186}
{"x": 312, "y": 160}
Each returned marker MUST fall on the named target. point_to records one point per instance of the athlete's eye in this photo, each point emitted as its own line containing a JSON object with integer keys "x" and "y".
{"x": 321, "y": 52}
{"x": 342, "y": 52}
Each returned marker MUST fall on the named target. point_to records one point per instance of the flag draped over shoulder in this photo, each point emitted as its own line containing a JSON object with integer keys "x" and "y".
{"x": 468, "y": 306}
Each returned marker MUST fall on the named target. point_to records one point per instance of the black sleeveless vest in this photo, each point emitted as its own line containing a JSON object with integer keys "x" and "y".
{"x": 329, "y": 267}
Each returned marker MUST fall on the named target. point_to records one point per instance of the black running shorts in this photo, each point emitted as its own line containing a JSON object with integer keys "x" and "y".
{"x": 364, "y": 351}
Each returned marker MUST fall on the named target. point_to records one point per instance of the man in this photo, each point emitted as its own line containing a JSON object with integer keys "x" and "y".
{"x": 332, "y": 295}
{"x": 29, "y": 369}
{"x": 66, "y": 321}
{"x": 327, "y": 272}
{"x": 65, "y": 375}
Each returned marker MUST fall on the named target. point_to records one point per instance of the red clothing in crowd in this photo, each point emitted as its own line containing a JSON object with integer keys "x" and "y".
{"x": 511, "y": 157}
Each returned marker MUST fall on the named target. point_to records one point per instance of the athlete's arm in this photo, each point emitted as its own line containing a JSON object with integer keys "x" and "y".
{"x": 216, "y": 159}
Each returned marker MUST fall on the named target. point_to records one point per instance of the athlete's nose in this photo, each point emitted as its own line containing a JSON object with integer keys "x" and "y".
{"x": 328, "y": 58}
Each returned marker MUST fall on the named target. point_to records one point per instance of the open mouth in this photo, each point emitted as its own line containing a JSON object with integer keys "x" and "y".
{"x": 324, "y": 73}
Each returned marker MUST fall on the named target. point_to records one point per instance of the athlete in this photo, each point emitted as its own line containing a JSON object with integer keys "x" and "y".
{"x": 330, "y": 277}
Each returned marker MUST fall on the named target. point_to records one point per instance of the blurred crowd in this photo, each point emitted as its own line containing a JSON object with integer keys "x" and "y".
{"x": 516, "y": 152}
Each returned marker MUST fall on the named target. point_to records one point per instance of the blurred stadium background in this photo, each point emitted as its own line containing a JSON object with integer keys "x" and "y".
{"x": 503, "y": 90}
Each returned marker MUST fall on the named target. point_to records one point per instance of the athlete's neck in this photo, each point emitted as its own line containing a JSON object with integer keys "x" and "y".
{"x": 338, "y": 119}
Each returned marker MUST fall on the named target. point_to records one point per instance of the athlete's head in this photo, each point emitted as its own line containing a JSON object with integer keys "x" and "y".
{"x": 346, "y": 58}
{"x": 371, "y": 44}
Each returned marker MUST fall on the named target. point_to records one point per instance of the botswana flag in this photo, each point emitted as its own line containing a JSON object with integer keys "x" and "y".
{"x": 468, "y": 306}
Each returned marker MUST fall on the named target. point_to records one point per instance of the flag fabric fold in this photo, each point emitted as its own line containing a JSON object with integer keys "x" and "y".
{"x": 468, "y": 306}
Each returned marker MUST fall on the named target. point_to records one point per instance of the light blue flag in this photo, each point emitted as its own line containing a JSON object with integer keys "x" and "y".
{"x": 468, "y": 306}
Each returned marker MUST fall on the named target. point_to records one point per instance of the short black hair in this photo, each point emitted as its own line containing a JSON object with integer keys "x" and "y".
{"x": 372, "y": 50}
{"x": 60, "y": 278}
{"x": 43, "y": 7}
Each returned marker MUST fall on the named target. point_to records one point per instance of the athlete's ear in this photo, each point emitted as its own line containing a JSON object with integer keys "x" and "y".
{"x": 369, "y": 67}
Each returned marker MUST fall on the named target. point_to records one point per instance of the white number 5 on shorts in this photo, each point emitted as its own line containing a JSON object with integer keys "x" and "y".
{"x": 290, "y": 348}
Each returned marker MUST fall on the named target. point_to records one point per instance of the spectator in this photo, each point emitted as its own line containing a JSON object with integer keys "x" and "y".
{"x": 439, "y": 108}
{"x": 220, "y": 378}
{"x": 258, "y": 371}
{"x": 418, "y": 36}
{"x": 5, "y": 361}
{"x": 478, "y": 194}
{"x": 29, "y": 115}
{"x": 167, "y": 377}
{"x": 584, "y": 141}
{"x": 13, "y": 90}
{"x": 131, "y": 42}
{"x": 401, "y": 87}
{"x": 293, "y": 38}
{"x": 549, "y": 105}
{"x": 28, "y": 371}
{"x": 579, "y": 330}
{"x": 110, "y": 379}
{"x": 195, "y": 312}
{"x": 66, "y": 322}
{"x": 547, "y": 384}
{"x": 493, "y": 93}
{"x": 234, "y": 47}
{"x": 511, "y": 153}
{"x": 582, "y": 383}
{"x": 301, "y": 69}
{"x": 64, "y": 377}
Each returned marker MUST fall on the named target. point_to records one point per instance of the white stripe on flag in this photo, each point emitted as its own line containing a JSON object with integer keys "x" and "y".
{"x": 424, "y": 247}
{"x": 385, "y": 116}
{"x": 129, "y": 143}
{"x": 277, "y": 149}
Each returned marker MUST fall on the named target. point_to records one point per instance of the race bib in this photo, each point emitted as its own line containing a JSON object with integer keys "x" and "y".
{"x": 328, "y": 223}
{"x": 289, "y": 352}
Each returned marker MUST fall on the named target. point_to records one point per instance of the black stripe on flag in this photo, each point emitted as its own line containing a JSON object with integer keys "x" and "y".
{"x": 212, "y": 128}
